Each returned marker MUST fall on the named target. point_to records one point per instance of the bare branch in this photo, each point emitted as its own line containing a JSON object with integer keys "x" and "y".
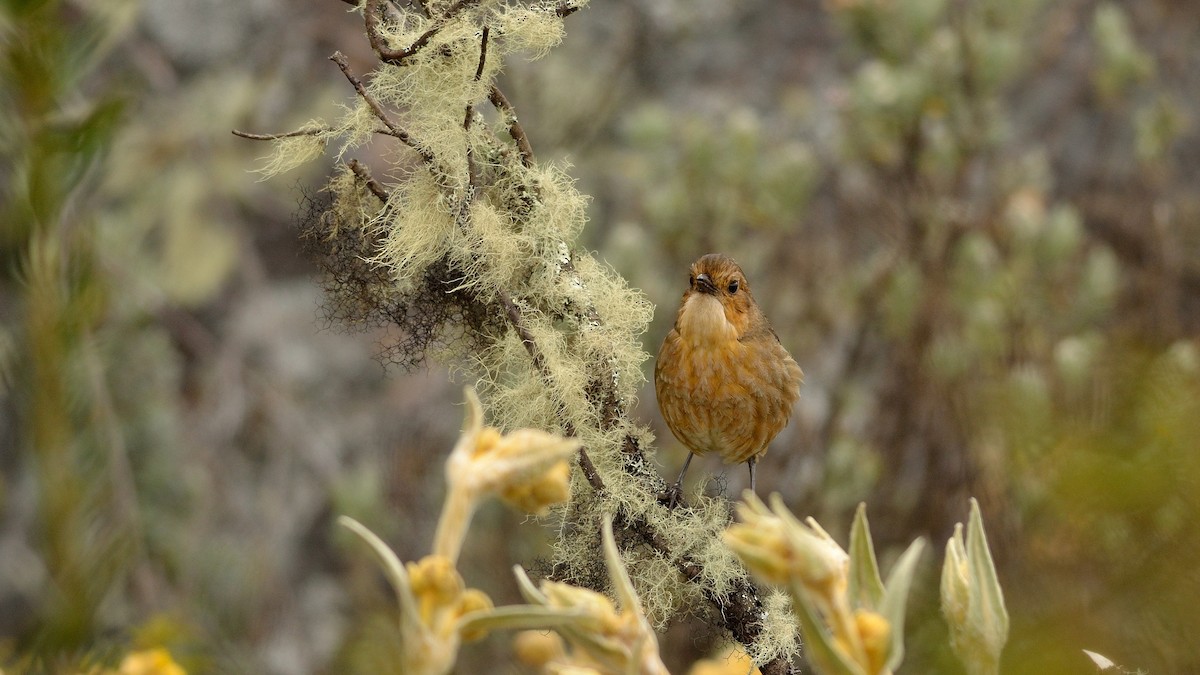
{"x": 312, "y": 131}
{"x": 483, "y": 47}
{"x": 515, "y": 130}
{"x": 315, "y": 131}
{"x": 472, "y": 169}
{"x": 365, "y": 176}
{"x": 374, "y": 10}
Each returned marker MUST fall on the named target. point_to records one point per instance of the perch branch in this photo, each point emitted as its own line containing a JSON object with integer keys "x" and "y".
{"x": 741, "y": 609}
{"x": 517, "y": 318}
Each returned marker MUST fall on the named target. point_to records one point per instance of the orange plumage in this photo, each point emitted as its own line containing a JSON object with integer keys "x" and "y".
{"x": 725, "y": 384}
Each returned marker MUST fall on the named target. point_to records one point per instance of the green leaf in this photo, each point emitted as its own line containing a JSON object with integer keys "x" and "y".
{"x": 989, "y": 611}
{"x": 622, "y": 585}
{"x": 531, "y": 593}
{"x": 519, "y": 617}
{"x": 392, "y": 567}
{"x": 895, "y": 599}
{"x": 866, "y": 588}
{"x": 819, "y": 649}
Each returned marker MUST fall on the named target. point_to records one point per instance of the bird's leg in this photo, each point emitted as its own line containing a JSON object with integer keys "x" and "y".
{"x": 677, "y": 488}
{"x": 752, "y": 461}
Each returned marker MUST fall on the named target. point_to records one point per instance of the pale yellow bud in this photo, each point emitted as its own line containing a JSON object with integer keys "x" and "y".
{"x": 527, "y": 468}
{"x": 782, "y": 550}
{"x": 730, "y": 661}
{"x": 875, "y": 633}
{"x": 972, "y": 600}
{"x": 534, "y": 496}
{"x": 473, "y": 600}
{"x": 538, "y": 647}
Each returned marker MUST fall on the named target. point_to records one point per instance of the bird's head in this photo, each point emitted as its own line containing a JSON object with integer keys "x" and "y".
{"x": 717, "y": 304}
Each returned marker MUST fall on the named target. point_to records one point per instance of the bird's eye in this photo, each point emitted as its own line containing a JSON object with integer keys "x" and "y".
{"x": 733, "y": 287}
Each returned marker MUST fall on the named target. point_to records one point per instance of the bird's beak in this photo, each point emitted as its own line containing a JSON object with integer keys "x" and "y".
{"x": 704, "y": 284}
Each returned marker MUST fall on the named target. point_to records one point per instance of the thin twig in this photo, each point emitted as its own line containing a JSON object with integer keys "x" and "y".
{"x": 374, "y": 10}
{"x": 311, "y": 131}
{"x": 472, "y": 169}
{"x": 365, "y": 176}
{"x": 340, "y": 59}
{"x": 515, "y": 129}
{"x": 483, "y": 47}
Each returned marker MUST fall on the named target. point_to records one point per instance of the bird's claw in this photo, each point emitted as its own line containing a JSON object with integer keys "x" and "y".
{"x": 672, "y": 497}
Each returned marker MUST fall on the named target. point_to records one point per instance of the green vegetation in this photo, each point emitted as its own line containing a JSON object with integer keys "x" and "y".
{"x": 974, "y": 224}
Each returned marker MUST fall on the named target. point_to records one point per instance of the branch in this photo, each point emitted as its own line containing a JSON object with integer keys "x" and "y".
{"x": 365, "y": 176}
{"x": 741, "y": 609}
{"x": 395, "y": 57}
{"x": 340, "y": 59}
{"x": 472, "y": 170}
{"x": 517, "y": 319}
{"x": 312, "y": 131}
{"x": 515, "y": 130}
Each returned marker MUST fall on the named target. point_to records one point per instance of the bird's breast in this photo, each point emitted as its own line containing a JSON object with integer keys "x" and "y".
{"x": 702, "y": 322}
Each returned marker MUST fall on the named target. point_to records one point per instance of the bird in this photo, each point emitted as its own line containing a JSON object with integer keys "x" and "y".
{"x": 724, "y": 382}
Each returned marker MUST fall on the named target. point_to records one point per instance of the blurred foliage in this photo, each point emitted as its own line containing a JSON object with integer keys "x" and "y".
{"x": 53, "y": 139}
{"x": 975, "y": 224}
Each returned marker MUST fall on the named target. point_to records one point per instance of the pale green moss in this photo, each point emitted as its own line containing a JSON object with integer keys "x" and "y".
{"x": 780, "y": 630}
{"x": 289, "y": 152}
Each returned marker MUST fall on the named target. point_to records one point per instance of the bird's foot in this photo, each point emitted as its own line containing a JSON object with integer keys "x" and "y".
{"x": 672, "y": 496}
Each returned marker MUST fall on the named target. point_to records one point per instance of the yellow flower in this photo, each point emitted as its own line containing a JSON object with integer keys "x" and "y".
{"x": 843, "y": 635}
{"x": 534, "y": 496}
{"x": 442, "y": 597}
{"x": 875, "y": 633}
{"x": 437, "y": 610}
{"x": 528, "y": 468}
{"x": 612, "y": 640}
{"x": 731, "y": 661}
{"x": 782, "y": 550}
{"x": 155, "y": 661}
{"x": 538, "y": 647}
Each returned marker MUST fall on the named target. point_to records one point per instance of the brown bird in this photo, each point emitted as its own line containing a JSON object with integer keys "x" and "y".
{"x": 725, "y": 384}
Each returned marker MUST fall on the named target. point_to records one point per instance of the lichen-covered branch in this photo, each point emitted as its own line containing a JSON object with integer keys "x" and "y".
{"x": 340, "y": 59}
{"x": 474, "y": 258}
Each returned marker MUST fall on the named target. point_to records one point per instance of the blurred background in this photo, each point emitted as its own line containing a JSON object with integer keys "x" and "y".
{"x": 975, "y": 223}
